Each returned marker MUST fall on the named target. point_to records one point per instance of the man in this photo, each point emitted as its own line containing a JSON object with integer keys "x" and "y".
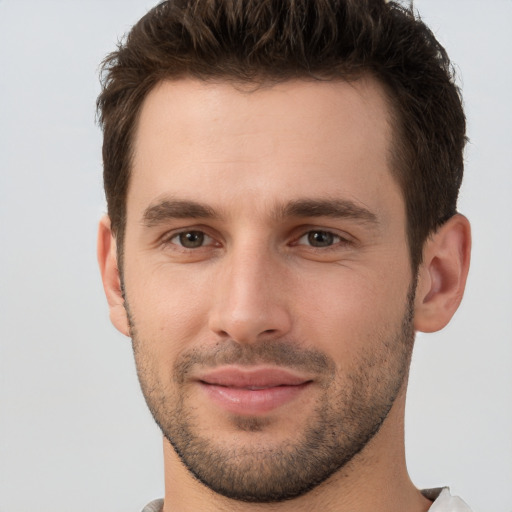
{"x": 281, "y": 180}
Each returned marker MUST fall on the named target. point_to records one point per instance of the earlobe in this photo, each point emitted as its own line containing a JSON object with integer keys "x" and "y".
{"x": 107, "y": 259}
{"x": 442, "y": 274}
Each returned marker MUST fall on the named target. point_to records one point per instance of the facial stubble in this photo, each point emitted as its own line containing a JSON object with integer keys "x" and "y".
{"x": 348, "y": 413}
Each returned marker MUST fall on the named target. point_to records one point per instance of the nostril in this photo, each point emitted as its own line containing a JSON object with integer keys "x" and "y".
{"x": 246, "y": 323}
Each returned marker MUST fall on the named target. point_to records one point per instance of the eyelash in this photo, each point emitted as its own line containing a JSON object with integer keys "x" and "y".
{"x": 335, "y": 239}
{"x": 177, "y": 235}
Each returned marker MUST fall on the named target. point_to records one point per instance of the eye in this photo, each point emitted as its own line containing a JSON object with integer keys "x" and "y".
{"x": 191, "y": 239}
{"x": 319, "y": 238}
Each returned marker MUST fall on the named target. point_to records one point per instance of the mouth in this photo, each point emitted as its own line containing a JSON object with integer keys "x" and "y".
{"x": 252, "y": 391}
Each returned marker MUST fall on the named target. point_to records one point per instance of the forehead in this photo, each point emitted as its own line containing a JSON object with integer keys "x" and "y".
{"x": 219, "y": 142}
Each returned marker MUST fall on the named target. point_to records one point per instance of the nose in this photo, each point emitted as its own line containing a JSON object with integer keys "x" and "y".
{"x": 248, "y": 303}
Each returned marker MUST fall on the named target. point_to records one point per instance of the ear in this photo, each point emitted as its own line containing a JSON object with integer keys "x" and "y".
{"x": 107, "y": 259}
{"x": 442, "y": 274}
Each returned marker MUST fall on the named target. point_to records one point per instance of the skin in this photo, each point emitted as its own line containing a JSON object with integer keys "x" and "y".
{"x": 257, "y": 279}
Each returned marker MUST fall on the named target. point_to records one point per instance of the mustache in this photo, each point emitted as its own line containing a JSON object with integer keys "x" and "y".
{"x": 277, "y": 352}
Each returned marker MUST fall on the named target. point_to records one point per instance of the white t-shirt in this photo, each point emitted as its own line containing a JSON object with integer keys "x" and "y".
{"x": 444, "y": 502}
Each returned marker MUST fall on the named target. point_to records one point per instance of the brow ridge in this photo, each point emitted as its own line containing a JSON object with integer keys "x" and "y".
{"x": 336, "y": 208}
{"x": 176, "y": 209}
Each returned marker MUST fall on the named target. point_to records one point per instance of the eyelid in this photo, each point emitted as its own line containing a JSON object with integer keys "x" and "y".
{"x": 167, "y": 237}
{"x": 207, "y": 239}
{"x": 343, "y": 237}
{"x": 215, "y": 240}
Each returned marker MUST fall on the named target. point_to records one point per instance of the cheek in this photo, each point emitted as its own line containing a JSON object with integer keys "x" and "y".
{"x": 351, "y": 312}
{"x": 168, "y": 309}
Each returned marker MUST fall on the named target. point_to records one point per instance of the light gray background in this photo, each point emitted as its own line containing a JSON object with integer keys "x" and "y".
{"x": 74, "y": 430}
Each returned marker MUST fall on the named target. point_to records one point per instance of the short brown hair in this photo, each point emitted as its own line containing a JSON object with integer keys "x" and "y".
{"x": 259, "y": 41}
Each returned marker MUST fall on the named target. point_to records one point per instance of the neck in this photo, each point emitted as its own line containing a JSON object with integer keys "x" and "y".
{"x": 376, "y": 479}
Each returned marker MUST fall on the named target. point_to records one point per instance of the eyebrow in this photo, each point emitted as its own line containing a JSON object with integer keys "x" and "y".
{"x": 176, "y": 209}
{"x": 335, "y": 208}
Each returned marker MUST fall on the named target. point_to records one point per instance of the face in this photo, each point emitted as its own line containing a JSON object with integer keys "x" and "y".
{"x": 267, "y": 279}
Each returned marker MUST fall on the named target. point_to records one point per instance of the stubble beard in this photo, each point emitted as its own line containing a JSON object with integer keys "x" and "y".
{"x": 346, "y": 416}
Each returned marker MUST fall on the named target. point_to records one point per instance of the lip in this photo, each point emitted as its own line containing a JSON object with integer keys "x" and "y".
{"x": 252, "y": 391}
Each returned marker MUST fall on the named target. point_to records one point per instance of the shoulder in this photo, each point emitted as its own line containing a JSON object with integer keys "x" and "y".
{"x": 154, "y": 506}
{"x": 444, "y": 501}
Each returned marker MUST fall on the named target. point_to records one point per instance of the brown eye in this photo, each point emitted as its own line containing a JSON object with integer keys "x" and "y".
{"x": 319, "y": 238}
{"x": 191, "y": 239}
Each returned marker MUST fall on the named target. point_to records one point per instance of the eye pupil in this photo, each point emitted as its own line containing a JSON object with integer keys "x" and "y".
{"x": 191, "y": 239}
{"x": 320, "y": 238}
